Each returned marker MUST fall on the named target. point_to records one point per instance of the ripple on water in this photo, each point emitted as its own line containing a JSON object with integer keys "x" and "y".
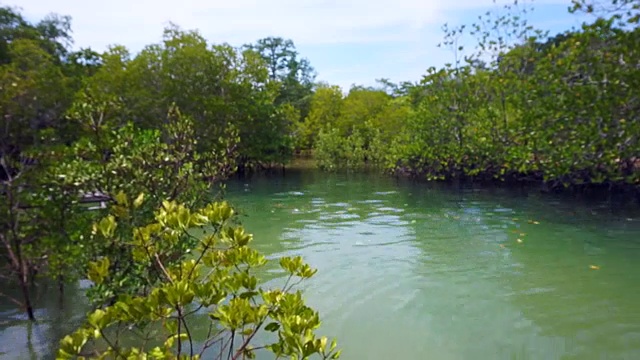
{"x": 349, "y": 298}
{"x": 385, "y": 192}
{"x": 370, "y": 201}
{"x": 389, "y": 209}
{"x": 385, "y": 220}
{"x": 289, "y": 193}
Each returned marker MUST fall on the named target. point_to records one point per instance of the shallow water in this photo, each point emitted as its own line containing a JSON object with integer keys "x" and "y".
{"x": 416, "y": 271}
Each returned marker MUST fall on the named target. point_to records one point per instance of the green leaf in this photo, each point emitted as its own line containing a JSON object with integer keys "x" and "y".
{"x": 107, "y": 226}
{"x": 272, "y": 327}
{"x": 138, "y": 201}
{"x": 99, "y": 270}
{"x": 121, "y": 199}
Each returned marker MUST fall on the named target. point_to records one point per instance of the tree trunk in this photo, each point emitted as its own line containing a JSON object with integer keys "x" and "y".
{"x": 24, "y": 286}
{"x": 61, "y": 290}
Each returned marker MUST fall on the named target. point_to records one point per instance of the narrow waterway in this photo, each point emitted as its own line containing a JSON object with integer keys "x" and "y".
{"x": 425, "y": 271}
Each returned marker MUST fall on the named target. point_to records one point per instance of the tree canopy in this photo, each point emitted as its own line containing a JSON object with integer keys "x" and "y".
{"x": 153, "y": 134}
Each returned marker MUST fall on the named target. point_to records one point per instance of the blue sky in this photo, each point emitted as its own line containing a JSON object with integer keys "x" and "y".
{"x": 347, "y": 41}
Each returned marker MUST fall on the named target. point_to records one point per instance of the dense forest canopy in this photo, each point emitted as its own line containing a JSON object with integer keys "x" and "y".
{"x": 151, "y": 132}
{"x": 524, "y": 104}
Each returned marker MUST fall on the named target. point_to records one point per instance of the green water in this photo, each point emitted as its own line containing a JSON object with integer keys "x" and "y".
{"x": 417, "y": 271}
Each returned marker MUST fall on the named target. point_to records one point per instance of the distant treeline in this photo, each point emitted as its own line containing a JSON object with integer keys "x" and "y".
{"x": 560, "y": 110}
{"x": 522, "y": 105}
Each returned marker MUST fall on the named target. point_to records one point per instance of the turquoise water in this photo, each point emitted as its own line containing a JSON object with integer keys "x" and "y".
{"x": 424, "y": 271}
{"x": 415, "y": 271}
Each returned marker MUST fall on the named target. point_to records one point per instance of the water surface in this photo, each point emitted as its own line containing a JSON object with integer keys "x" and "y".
{"x": 415, "y": 271}
{"x": 423, "y": 271}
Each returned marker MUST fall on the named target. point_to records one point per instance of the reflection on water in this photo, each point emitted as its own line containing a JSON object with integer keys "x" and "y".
{"x": 422, "y": 271}
{"x": 416, "y": 271}
{"x": 20, "y": 339}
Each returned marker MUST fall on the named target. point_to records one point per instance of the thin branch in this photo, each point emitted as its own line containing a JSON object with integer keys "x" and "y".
{"x": 248, "y": 340}
{"x": 111, "y": 345}
{"x": 212, "y": 340}
{"x": 186, "y": 328}
{"x": 166, "y": 273}
{"x": 11, "y": 298}
{"x": 233, "y": 335}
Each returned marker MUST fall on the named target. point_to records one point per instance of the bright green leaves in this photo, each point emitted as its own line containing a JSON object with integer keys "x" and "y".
{"x": 99, "y": 270}
{"x": 183, "y": 218}
{"x": 296, "y": 267}
{"x": 233, "y": 256}
{"x": 179, "y": 293}
{"x": 240, "y": 313}
{"x": 106, "y": 226}
{"x": 295, "y": 324}
{"x": 174, "y": 215}
{"x": 354, "y": 131}
{"x": 121, "y": 199}
{"x": 71, "y": 345}
{"x": 138, "y": 201}
{"x": 218, "y": 278}
{"x": 168, "y": 241}
{"x": 99, "y": 320}
{"x": 210, "y": 292}
{"x": 217, "y": 213}
{"x": 237, "y": 236}
{"x": 172, "y": 339}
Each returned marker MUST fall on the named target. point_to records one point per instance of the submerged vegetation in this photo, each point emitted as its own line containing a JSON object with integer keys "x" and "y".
{"x": 153, "y": 134}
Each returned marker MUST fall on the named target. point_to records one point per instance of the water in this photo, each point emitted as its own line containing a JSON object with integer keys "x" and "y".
{"x": 418, "y": 271}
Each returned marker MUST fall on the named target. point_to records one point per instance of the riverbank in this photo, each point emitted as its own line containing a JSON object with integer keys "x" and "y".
{"x": 529, "y": 182}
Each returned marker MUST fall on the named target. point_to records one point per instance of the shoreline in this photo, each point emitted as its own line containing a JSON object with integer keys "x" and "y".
{"x": 531, "y": 182}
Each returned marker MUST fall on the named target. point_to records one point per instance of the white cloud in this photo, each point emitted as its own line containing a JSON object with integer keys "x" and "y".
{"x": 137, "y": 22}
{"x": 413, "y": 23}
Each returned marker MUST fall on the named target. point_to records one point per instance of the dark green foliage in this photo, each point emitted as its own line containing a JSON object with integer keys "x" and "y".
{"x": 148, "y": 136}
{"x": 81, "y": 122}
{"x": 295, "y": 76}
{"x": 560, "y": 110}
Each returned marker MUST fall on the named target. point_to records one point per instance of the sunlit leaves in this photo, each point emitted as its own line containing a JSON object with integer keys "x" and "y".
{"x": 99, "y": 270}
{"x": 354, "y": 131}
{"x": 219, "y": 279}
{"x": 106, "y": 226}
{"x": 296, "y": 267}
{"x": 137, "y": 170}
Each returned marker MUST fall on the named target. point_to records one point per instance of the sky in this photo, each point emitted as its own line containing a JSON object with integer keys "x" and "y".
{"x": 346, "y": 41}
